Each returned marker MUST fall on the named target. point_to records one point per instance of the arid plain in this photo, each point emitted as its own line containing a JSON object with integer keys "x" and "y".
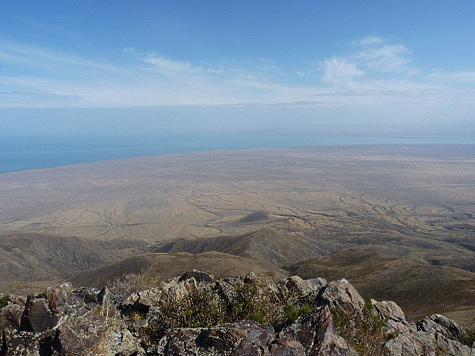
{"x": 396, "y": 221}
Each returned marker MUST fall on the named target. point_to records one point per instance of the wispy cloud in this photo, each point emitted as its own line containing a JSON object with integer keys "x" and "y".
{"x": 128, "y": 50}
{"x": 453, "y": 78}
{"x": 385, "y": 59}
{"x": 339, "y": 71}
{"x": 373, "y": 71}
{"x": 369, "y": 40}
{"x": 268, "y": 65}
{"x": 170, "y": 67}
{"x": 39, "y": 57}
{"x": 368, "y": 59}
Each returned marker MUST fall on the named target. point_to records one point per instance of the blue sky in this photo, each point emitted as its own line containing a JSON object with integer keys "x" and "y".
{"x": 67, "y": 65}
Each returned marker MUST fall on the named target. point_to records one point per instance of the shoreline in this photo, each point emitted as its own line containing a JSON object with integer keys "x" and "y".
{"x": 335, "y": 146}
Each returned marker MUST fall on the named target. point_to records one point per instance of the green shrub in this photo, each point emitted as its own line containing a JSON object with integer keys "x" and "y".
{"x": 292, "y": 312}
{"x": 248, "y": 304}
{"x": 364, "y": 332}
{"x": 199, "y": 308}
{"x": 4, "y": 301}
{"x": 205, "y": 307}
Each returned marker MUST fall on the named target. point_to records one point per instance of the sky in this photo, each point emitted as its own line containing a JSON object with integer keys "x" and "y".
{"x": 150, "y": 66}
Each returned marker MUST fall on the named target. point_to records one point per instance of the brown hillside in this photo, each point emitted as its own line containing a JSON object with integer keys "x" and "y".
{"x": 169, "y": 265}
{"x": 28, "y": 260}
{"x": 278, "y": 248}
{"x": 417, "y": 286}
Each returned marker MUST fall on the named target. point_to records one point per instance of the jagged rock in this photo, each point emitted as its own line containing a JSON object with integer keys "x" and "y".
{"x": 104, "y": 342}
{"x": 147, "y": 298}
{"x": 104, "y": 297}
{"x": 436, "y": 335}
{"x": 440, "y": 324}
{"x": 314, "y": 318}
{"x": 58, "y": 296}
{"x": 409, "y": 344}
{"x": 393, "y": 315}
{"x": 21, "y": 343}
{"x": 197, "y": 275}
{"x": 37, "y": 316}
{"x": 317, "y": 283}
{"x": 446, "y": 334}
{"x": 287, "y": 347}
{"x": 141, "y": 302}
{"x": 10, "y": 316}
{"x": 301, "y": 288}
{"x": 241, "y": 338}
{"x": 225, "y": 288}
{"x": 174, "y": 290}
{"x": 341, "y": 294}
{"x": 317, "y": 334}
{"x": 96, "y": 331}
{"x": 86, "y": 295}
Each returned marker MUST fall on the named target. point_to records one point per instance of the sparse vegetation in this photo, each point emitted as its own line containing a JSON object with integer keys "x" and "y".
{"x": 128, "y": 284}
{"x": 136, "y": 316}
{"x": 364, "y": 332}
{"x": 293, "y": 312}
{"x": 204, "y": 307}
{"x": 468, "y": 338}
{"x": 188, "y": 314}
{"x": 4, "y": 301}
{"x": 279, "y": 219}
{"x": 419, "y": 288}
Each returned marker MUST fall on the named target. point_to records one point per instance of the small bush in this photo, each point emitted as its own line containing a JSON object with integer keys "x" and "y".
{"x": 4, "y": 301}
{"x": 136, "y": 317}
{"x": 291, "y": 313}
{"x": 122, "y": 288}
{"x": 206, "y": 307}
{"x": 199, "y": 308}
{"x": 249, "y": 305}
{"x": 364, "y": 332}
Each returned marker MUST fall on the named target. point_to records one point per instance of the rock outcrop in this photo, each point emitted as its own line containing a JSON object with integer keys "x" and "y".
{"x": 198, "y": 315}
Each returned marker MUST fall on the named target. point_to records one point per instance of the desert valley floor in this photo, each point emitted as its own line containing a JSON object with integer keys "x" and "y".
{"x": 396, "y": 221}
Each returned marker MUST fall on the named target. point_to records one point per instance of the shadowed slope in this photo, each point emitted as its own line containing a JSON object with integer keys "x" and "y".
{"x": 419, "y": 287}
{"x": 27, "y": 258}
{"x": 169, "y": 265}
{"x": 274, "y": 247}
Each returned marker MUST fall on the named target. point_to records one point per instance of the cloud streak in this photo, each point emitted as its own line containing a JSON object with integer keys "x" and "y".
{"x": 340, "y": 72}
{"x": 31, "y": 56}
{"x": 170, "y": 67}
{"x": 372, "y": 72}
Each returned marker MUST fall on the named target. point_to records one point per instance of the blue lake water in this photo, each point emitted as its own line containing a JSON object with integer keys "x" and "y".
{"x": 19, "y": 153}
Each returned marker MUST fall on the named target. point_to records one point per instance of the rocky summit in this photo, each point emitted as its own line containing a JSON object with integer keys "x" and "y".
{"x": 198, "y": 315}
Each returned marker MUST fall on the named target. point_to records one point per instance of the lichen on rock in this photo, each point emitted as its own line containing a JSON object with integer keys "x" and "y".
{"x": 198, "y": 315}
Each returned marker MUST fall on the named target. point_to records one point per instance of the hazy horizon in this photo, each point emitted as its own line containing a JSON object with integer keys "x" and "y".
{"x": 380, "y": 68}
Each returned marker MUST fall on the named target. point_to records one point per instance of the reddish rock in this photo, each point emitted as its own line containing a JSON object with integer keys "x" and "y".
{"x": 317, "y": 335}
{"x": 241, "y": 338}
{"x": 37, "y": 316}
{"x": 61, "y": 321}
{"x": 287, "y": 347}
{"x": 58, "y": 296}
{"x": 10, "y": 316}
